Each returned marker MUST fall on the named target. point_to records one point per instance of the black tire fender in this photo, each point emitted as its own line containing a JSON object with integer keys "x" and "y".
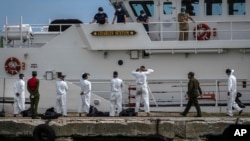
{"x": 156, "y": 138}
{"x": 44, "y": 132}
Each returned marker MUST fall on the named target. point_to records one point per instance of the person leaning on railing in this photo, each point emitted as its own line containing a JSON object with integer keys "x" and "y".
{"x": 143, "y": 18}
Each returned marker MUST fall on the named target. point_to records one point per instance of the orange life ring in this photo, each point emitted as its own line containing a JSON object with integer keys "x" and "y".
{"x": 12, "y": 66}
{"x": 202, "y": 32}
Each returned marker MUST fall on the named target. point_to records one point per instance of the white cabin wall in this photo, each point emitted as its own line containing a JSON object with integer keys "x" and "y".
{"x": 69, "y": 54}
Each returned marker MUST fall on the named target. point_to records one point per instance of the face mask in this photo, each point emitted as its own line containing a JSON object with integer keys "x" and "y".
{"x": 119, "y": 9}
{"x": 100, "y": 12}
{"x": 143, "y": 14}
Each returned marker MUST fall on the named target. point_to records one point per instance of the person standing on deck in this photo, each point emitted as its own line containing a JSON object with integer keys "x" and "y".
{"x": 33, "y": 88}
{"x": 193, "y": 92}
{"x": 140, "y": 75}
{"x": 85, "y": 94}
{"x": 232, "y": 92}
{"x": 19, "y": 98}
{"x": 143, "y": 18}
{"x": 100, "y": 17}
{"x": 183, "y": 24}
{"x": 116, "y": 95}
{"x": 120, "y": 15}
{"x": 61, "y": 99}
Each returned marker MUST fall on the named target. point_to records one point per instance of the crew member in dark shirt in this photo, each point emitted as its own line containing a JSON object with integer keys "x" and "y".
{"x": 143, "y": 18}
{"x": 100, "y": 17}
{"x": 120, "y": 15}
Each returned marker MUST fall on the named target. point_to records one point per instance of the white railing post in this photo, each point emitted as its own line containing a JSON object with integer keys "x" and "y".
{"x": 152, "y": 96}
{"x": 6, "y": 34}
{"x": 181, "y": 94}
{"x": 161, "y": 32}
{"x": 231, "y": 30}
{"x": 216, "y": 93}
{"x": 21, "y": 31}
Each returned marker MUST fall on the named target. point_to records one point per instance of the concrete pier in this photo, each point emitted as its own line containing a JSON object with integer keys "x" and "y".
{"x": 173, "y": 127}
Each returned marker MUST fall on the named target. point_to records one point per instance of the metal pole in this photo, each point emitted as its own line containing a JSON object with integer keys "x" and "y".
{"x": 3, "y": 95}
{"x": 21, "y": 31}
{"x": 152, "y": 96}
{"x": 216, "y": 94}
{"x": 181, "y": 94}
{"x": 6, "y": 34}
{"x": 231, "y": 28}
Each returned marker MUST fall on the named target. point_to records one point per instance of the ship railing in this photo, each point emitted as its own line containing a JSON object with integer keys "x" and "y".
{"x": 201, "y": 30}
{"x": 163, "y": 93}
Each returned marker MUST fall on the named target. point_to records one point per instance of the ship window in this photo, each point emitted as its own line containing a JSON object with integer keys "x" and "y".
{"x": 236, "y": 7}
{"x": 147, "y": 6}
{"x": 192, "y": 7}
{"x": 167, "y": 8}
{"x": 213, "y": 7}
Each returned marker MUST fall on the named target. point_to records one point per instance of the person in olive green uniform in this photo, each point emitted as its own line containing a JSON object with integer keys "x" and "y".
{"x": 183, "y": 24}
{"x": 193, "y": 92}
{"x": 33, "y": 88}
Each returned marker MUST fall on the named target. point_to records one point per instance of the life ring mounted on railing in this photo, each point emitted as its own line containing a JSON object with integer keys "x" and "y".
{"x": 202, "y": 32}
{"x": 12, "y": 66}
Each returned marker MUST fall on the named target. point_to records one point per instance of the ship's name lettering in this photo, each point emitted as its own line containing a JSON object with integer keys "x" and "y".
{"x": 114, "y": 33}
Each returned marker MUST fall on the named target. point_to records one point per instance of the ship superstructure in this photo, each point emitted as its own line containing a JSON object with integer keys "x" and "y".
{"x": 219, "y": 39}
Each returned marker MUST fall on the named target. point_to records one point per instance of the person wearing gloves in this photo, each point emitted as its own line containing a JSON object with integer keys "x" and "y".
{"x": 116, "y": 95}
{"x": 232, "y": 91}
{"x": 19, "y": 98}
{"x": 140, "y": 75}
{"x": 85, "y": 95}
{"x": 61, "y": 99}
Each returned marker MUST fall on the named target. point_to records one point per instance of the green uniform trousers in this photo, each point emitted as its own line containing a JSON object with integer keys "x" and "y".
{"x": 34, "y": 103}
{"x": 191, "y": 101}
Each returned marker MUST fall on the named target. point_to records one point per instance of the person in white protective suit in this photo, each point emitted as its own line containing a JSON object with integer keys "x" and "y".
{"x": 232, "y": 91}
{"x": 61, "y": 99}
{"x": 116, "y": 95}
{"x": 142, "y": 88}
{"x": 85, "y": 95}
{"x": 19, "y": 98}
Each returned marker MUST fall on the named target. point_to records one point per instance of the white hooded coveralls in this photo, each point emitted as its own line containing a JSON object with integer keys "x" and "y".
{"x": 61, "y": 99}
{"x": 232, "y": 89}
{"x": 142, "y": 89}
{"x": 19, "y": 101}
{"x": 85, "y": 97}
{"x": 116, "y": 96}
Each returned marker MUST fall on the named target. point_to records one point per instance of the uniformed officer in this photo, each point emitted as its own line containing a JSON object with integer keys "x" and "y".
{"x": 143, "y": 18}
{"x": 120, "y": 15}
{"x": 33, "y": 88}
{"x": 183, "y": 24}
{"x": 100, "y": 17}
{"x": 193, "y": 92}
